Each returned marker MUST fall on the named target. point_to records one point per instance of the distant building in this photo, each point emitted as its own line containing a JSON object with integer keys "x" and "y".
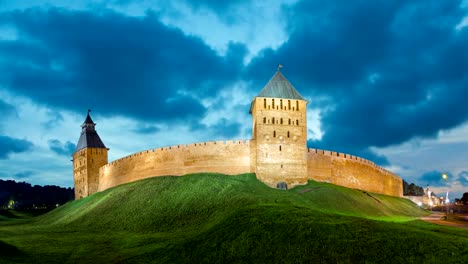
{"x": 277, "y": 153}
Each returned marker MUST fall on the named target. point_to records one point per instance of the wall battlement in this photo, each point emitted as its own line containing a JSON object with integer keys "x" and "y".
{"x": 352, "y": 171}
{"x": 181, "y": 147}
{"x": 228, "y": 157}
{"x": 352, "y": 158}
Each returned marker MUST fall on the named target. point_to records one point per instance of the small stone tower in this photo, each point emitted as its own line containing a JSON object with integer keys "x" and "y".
{"x": 279, "y": 149}
{"x": 89, "y": 156}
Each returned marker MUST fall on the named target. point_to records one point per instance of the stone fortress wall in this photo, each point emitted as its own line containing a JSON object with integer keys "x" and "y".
{"x": 235, "y": 157}
{"x": 352, "y": 172}
{"x": 227, "y": 157}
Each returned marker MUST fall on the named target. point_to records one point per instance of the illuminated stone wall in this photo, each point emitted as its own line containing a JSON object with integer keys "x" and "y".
{"x": 230, "y": 157}
{"x": 352, "y": 172}
{"x": 234, "y": 157}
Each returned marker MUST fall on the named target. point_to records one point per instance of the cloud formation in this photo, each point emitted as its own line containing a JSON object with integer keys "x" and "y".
{"x": 389, "y": 71}
{"x": 115, "y": 64}
{"x": 24, "y": 174}
{"x": 64, "y": 149}
{"x": 10, "y": 145}
{"x": 434, "y": 178}
{"x": 463, "y": 178}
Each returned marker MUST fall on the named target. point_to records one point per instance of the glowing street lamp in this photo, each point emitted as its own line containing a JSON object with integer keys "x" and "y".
{"x": 445, "y": 176}
{"x": 447, "y": 201}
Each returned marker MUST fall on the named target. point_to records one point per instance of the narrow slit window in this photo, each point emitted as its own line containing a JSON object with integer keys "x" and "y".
{"x": 274, "y": 133}
{"x": 289, "y": 121}
{"x": 281, "y": 121}
{"x": 289, "y": 104}
{"x": 273, "y": 120}
{"x": 281, "y": 104}
{"x": 297, "y": 122}
{"x": 280, "y": 148}
{"x": 273, "y": 103}
{"x": 264, "y": 103}
{"x": 288, "y": 133}
{"x": 297, "y": 105}
{"x": 264, "y": 120}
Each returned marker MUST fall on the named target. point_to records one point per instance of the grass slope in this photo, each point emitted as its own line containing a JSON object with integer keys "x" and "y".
{"x": 218, "y": 218}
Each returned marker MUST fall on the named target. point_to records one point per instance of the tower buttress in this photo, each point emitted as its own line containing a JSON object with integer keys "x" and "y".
{"x": 279, "y": 127}
{"x": 89, "y": 156}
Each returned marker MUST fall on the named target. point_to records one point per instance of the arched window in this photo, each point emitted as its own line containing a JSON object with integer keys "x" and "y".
{"x": 272, "y": 120}
{"x": 273, "y": 103}
{"x": 281, "y": 121}
{"x": 289, "y": 121}
{"x": 264, "y": 120}
{"x": 281, "y": 104}
{"x": 274, "y": 133}
{"x": 297, "y": 122}
{"x": 280, "y": 147}
{"x": 264, "y": 103}
{"x": 297, "y": 105}
{"x": 288, "y": 133}
{"x": 289, "y": 104}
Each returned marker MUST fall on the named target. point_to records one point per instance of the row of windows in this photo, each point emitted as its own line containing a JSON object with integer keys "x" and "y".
{"x": 280, "y": 106}
{"x": 93, "y": 151}
{"x": 280, "y": 121}
{"x": 82, "y": 162}
{"x": 274, "y": 134}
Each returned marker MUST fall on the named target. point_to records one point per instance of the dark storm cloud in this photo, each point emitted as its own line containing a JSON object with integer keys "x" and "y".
{"x": 64, "y": 149}
{"x": 55, "y": 119}
{"x": 215, "y": 5}
{"x": 390, "y": 70}
{"x": 9, "y": 145}
{"x": 6, "y": 108}
{"x": 463, "y": 178}
{"x": 146, "y": 129}
{"x": 24, "y": 174}
{"x": 434, "y": 178}
{"x": 132, "y": 66}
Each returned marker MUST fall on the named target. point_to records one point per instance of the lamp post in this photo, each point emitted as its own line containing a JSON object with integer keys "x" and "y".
{"x": 447, "y": 201}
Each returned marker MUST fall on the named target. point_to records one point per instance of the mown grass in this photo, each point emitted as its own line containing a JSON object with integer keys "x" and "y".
{"x": 220, "y": 219}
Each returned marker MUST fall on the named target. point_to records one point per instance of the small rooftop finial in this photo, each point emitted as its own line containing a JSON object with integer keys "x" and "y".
{"x": 280, "y": 66}
{"x": 89, "y": 110}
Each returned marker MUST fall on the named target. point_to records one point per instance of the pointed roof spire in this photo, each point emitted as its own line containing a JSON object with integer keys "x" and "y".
{"x": 280, "y": 87}
{"x": 88, "y": 119}
{"x": 89, "y": 138}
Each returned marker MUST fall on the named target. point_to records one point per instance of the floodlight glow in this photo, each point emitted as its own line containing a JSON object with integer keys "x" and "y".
{"x": 444, "y": 176}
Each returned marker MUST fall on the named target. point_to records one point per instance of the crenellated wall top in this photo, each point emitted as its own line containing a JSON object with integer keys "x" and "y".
{"x": 351, "y": 158}
{"x": 182, "y": 147}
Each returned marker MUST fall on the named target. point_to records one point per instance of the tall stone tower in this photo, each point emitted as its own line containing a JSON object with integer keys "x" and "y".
{"x": 279, "y": 149}
{"x": 89, "y": 156}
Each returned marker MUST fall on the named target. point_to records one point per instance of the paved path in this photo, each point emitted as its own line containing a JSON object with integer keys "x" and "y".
{"x": 436, "y": 218}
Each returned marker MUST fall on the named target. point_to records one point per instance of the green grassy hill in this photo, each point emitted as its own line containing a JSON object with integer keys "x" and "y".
{"x": 222, "y": 219}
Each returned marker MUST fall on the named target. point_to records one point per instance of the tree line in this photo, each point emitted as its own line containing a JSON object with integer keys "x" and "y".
{"x": 412, "y": 189}
{"x": 22, "y": 195}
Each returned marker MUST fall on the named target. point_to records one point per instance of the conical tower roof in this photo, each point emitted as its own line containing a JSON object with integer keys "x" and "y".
{"x": 280, "y": 87}
{"x": 89, "y": 138}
